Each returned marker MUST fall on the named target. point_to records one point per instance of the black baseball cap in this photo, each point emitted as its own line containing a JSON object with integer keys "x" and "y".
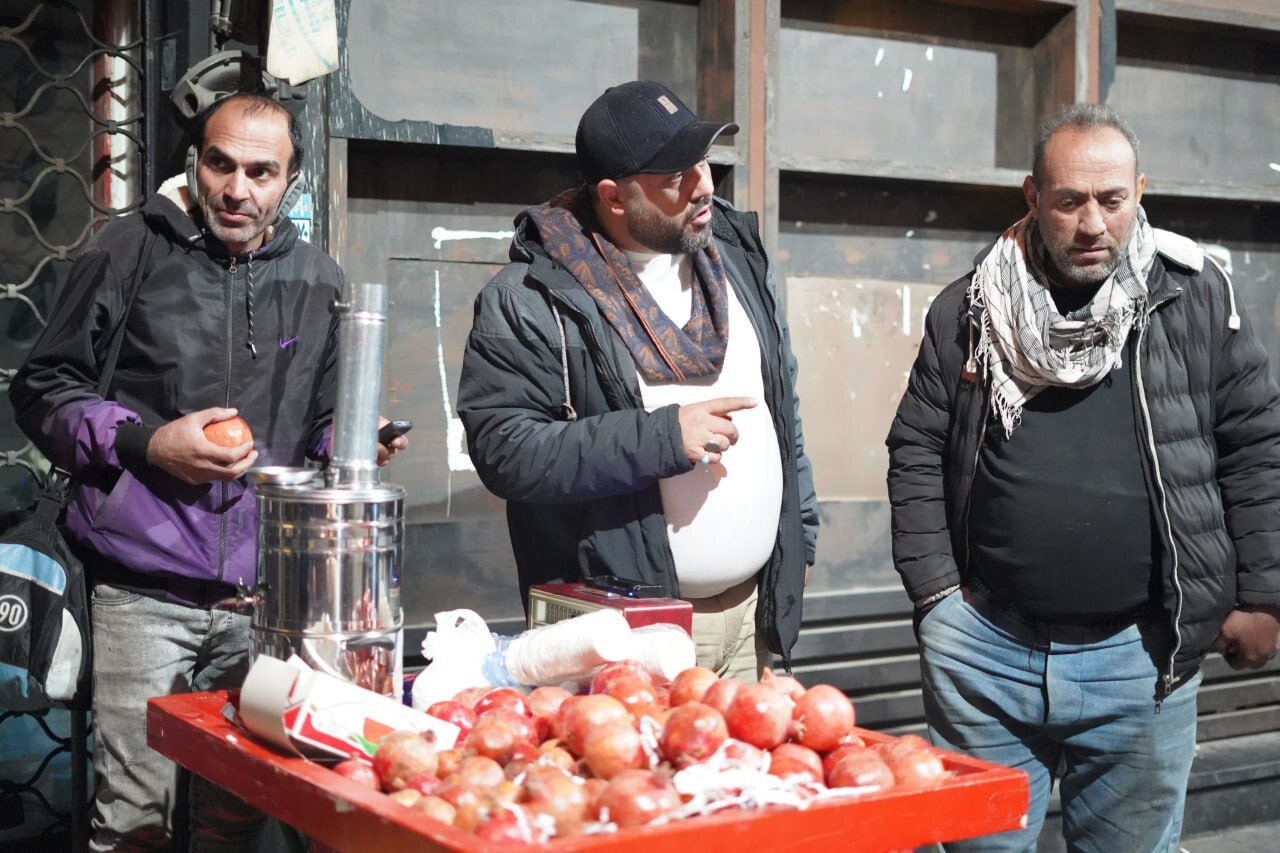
{"x": 641, "y": 127}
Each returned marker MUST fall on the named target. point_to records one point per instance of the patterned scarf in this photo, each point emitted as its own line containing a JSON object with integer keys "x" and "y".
{"x": 662, "y": 351}
{"x": 1026, "y": 344}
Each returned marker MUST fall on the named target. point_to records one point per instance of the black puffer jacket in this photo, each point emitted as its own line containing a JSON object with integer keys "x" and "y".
{"x": 1209, "y": 405}
{"x": 582, "y": 495}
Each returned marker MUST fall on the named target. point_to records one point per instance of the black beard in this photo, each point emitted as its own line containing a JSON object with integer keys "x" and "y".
{"x": 650, "y": 229}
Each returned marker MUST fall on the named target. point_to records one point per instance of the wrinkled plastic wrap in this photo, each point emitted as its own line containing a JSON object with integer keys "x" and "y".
{"x": 464, "y": 653}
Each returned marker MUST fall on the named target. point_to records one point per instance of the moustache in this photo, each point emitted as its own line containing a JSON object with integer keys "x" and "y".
{"x": 247, "y": 208}
{"x": 697, "y": 209}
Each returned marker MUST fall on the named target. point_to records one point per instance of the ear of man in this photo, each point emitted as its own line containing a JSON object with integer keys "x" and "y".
{"x": 1029, "y": 191}
{"x": 610, "y": 194}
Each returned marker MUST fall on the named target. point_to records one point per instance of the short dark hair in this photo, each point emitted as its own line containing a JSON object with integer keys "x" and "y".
{"x": 1079, "y": 117}
{"x": 253, "y": 104}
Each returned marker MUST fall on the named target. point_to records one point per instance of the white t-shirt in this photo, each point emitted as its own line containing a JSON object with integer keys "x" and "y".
{"x": 722, "y": 519}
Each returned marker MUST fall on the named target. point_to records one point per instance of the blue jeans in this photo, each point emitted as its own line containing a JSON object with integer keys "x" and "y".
{"x": 1070, "y": 699}
{"x": 144, "y": 647}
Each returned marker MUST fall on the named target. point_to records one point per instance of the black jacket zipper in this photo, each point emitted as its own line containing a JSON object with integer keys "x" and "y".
{"x": 228, "y": 304}
{"x": 1165, "y": 685}
{"x": 787, "y": 440}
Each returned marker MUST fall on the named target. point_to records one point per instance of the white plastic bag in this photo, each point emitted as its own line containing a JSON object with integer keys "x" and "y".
{"x": 458, "y": 649}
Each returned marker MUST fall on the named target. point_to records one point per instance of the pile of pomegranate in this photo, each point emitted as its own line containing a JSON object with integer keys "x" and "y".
{"x": 532, "y": 766}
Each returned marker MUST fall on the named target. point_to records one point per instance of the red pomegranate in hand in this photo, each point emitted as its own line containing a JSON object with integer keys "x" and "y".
{"x": 229, "y": 433}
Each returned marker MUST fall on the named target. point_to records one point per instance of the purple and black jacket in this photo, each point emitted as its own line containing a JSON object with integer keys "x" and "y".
{"x": 254, "y": 332}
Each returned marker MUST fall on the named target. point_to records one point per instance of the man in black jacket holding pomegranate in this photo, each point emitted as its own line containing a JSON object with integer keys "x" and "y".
{"x": 1085, "y": 479}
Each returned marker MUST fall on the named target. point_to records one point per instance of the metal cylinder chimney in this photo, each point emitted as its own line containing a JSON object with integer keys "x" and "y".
{"x": 329, "y": 557}
{"x": 362, "y": 336}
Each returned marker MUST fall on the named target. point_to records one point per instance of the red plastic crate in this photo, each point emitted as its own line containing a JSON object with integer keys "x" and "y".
{"x": 980, "y": 799}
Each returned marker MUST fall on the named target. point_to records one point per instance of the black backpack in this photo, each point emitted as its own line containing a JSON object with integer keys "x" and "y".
{"x": 44, "y": 613}
{"x": 45, "y": 644}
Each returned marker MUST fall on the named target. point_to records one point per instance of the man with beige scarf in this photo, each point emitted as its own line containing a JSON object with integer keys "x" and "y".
{"x": 1085, "y": 479}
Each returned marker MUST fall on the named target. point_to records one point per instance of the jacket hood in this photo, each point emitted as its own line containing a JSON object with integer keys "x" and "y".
{"x": 171, "y": 213}
{"x": 526, "y": 243}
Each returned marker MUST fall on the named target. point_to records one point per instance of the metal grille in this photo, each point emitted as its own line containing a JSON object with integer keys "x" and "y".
{"x": 71, "y": 157}
{"x": 71, "y": 142}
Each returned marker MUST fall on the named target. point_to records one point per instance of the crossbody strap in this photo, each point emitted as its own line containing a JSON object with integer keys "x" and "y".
{"x": 117, "y": 337}
{"x": 59, "y": 488}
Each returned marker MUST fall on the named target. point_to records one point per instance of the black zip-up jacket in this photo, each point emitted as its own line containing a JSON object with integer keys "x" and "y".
{"x": 1206, "y": 408}
{"x": 582, "y": 495}
{"x": 186, "y": 348}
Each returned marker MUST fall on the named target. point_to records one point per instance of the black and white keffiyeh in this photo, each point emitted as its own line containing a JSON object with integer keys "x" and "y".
{"x": 1026, "y": 344}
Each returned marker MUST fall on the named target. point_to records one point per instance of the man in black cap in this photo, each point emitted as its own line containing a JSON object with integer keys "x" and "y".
{"x": 628, "y": 387}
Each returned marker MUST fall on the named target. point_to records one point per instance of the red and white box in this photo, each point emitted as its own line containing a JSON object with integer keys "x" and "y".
{"x": 314, "y": 715}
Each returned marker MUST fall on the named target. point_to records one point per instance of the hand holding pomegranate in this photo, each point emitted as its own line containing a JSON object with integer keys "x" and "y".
{"x": 182, "y": 449}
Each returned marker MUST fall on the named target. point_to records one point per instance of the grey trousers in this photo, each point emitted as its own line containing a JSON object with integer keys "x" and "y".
{"x": 145, "y": 647}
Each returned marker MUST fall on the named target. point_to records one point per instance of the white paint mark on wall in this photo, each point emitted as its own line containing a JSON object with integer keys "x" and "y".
{"x": 928, "y": 54}
{"x": 1275, "y": 167}
{"x": 879, "y": 56}
{"x": 906, "y": 310}
{"x": 455, "y": 439}
{"x": 906, "y": 79}
{"x": 855, "y": 322}
{"x": 880, "y": 94}
{"x": 459, "y": 459}
{"x": 445, "y": 235}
